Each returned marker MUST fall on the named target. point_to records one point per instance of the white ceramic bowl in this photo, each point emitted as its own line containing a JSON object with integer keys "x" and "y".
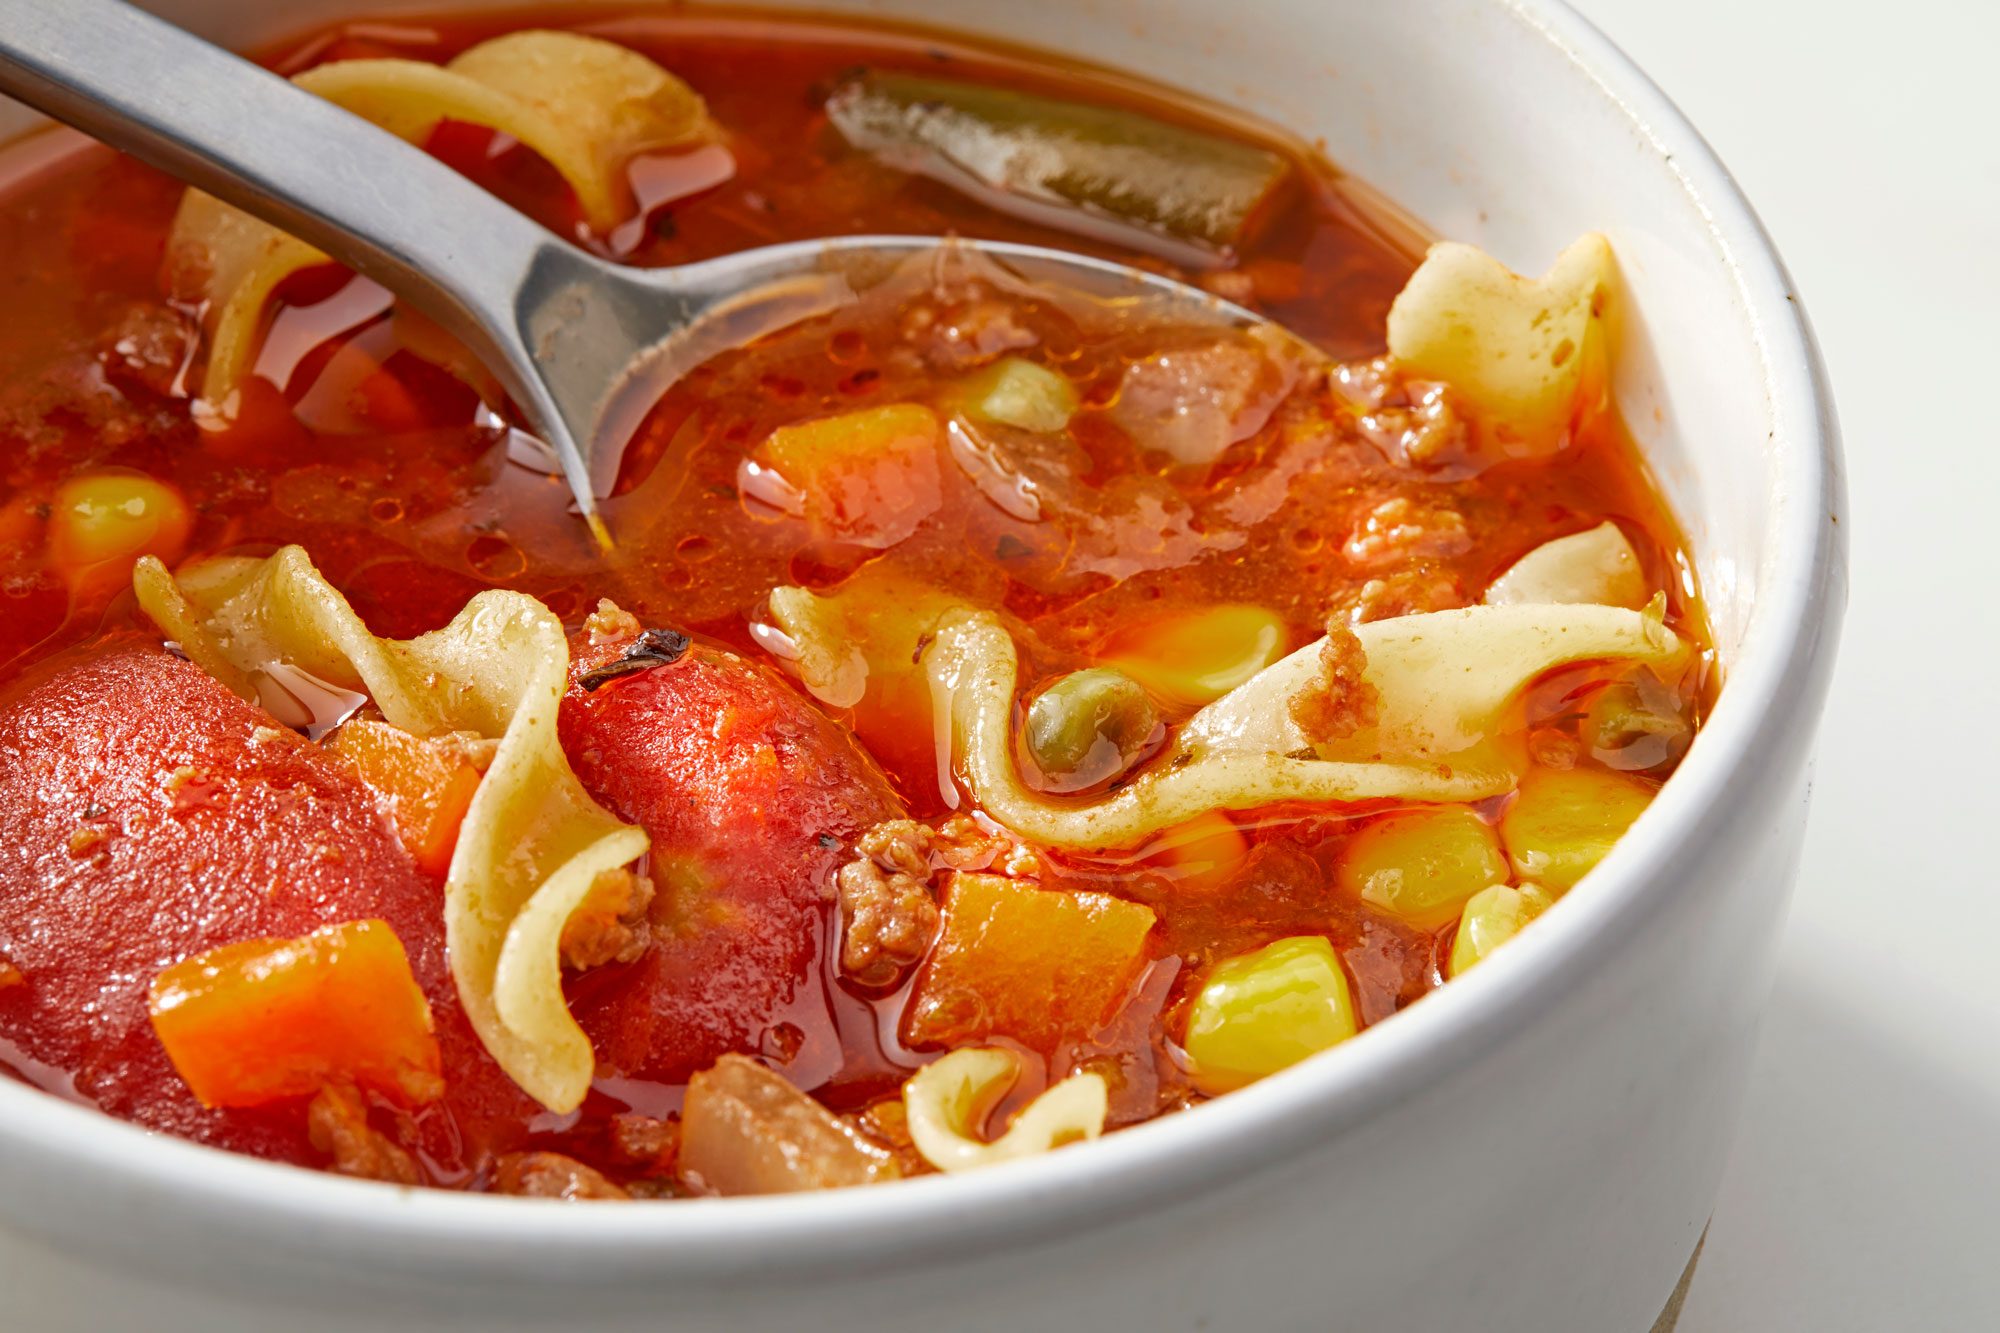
{"x": 1534, "y": 1148}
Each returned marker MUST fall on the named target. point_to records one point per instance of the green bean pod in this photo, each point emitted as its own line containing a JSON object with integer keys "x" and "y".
{"x": 1063, "y": 163}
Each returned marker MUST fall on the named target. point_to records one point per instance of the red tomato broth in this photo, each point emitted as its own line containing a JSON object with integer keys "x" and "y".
{"x": 401, "y": 488}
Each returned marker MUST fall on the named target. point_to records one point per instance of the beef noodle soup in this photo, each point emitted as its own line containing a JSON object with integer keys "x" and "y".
{"x": 1004, "y": 714}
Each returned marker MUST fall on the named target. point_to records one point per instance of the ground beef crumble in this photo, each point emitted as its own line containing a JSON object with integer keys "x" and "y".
{"x": 149, "y": 345}
{"x": 888, "y": 905}
{"x": 1412, "y": 423}
{"x": 551, "y": 1175}
{"x": 963, "y": 843}
{"x": 337, "y": 1124}
{"x": 888, "y": 919}
{"x": 1400, "y": 530}
{"x": 610, "y": 925}
{"x": 1422, "y": 587}
{"x": 1338, "y": 701}
{"x": 968, "y": 334}
{"x": 610, "y": 623}
{"x": 887, "y": 1123}
{"x": 645, "y": 1142}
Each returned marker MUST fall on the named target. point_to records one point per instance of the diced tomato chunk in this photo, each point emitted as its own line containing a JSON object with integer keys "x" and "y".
{"x": 163, "y": 818}
{"x": 751, "y": 797}
{"x": 1038, "y": 965}
{"x": 262, "y": 1020}
{"x": 427, "y": 783}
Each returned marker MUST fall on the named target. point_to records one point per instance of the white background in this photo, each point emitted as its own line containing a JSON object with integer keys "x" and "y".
{"x": 1864, "y": 1193}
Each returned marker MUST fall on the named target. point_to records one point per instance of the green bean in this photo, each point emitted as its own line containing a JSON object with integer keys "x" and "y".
{"x": 1636, "y": 725}
{"x": 1032, "y": 154}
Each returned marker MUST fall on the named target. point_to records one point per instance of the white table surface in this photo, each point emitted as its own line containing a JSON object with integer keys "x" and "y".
{"x": 1864, "y": 1192}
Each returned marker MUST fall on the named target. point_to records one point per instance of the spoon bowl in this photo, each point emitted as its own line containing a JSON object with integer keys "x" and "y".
{"x": 606, "y": 342}
{"x": 582, "y": 345}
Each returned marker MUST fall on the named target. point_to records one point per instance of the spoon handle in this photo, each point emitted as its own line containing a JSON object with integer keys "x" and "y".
{"x": 379, "y": 205}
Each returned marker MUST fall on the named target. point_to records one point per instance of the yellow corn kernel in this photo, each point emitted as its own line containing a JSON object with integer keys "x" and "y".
{"x": 1492, "y": 917}
{"x": 1199, "y": 657}
{"x": 1266, "y": 1011}
{"x": 1014, "y": 392}
{"x": 1564, "y": 821}
{"x": 103, "y": 521}
{"x": 1423, "y": 865}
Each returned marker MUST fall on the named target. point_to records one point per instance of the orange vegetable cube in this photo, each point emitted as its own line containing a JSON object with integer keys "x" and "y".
{"x": 428, "y": 785}
{"x": 868, "y": 477}
{"x": 262, "y": 1020}
{"x": 1204, "y": 854}
{"x": 1037, "y": 965}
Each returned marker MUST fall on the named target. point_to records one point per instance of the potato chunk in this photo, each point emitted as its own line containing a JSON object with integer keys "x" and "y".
{"x": 746, "y": 1130}
{"x": 868, "y": 477}
{"x": 1033, "y": 964}
{"x": 1019, "y": 393}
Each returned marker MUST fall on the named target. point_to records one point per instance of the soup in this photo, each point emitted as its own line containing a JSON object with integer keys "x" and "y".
{"x": 1003, "y": 715}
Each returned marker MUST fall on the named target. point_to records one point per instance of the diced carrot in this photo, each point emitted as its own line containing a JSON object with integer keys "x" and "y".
{"x": 1038, "y": 965}
{"x": 427, "y": 783}
{"x": 262, "y": 1020}
{"x": 1204, "y": 854}
{"x": 868, "y": 477}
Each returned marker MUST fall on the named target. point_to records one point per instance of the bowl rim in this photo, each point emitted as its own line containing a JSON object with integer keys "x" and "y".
{"x": 1767, "y": 709}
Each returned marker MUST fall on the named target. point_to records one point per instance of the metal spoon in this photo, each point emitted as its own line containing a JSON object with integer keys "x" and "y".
{"x": 582, "y": 345}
